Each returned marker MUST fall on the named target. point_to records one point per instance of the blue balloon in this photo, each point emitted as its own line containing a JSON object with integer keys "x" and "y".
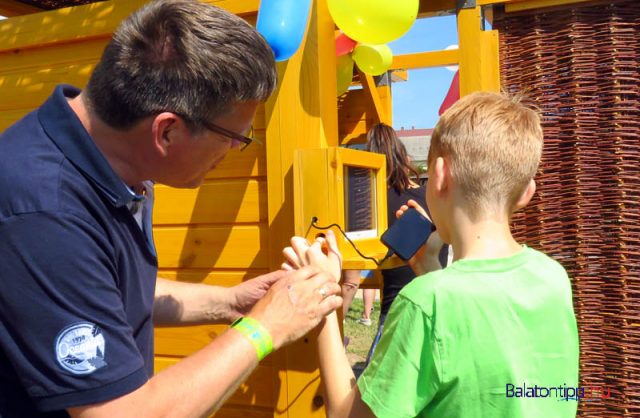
{"x": 283, "y": 23}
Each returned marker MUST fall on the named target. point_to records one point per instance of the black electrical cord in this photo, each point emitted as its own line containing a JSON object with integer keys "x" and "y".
{"x": 314, "y": 224}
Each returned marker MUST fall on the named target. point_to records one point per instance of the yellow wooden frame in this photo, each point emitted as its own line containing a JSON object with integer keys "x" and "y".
{"x": 382, "y": 108}
{"x": 319, "y": 193}
{"x": 426, "y": 59}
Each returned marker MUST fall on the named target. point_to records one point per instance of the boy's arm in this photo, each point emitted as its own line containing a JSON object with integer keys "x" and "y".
{"x": 427, "y": 258}
{"x": 342, "y": 397}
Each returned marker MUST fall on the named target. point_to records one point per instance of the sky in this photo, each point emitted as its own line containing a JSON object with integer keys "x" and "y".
{"x": 416, "y": 102}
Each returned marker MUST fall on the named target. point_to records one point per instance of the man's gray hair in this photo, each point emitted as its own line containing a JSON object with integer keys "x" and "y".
{"x": 180, "y": 56}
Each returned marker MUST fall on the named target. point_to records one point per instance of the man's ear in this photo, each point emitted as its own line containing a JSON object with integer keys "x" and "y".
{"x": 167, "y": 129}
{"x": 526, "y": 195}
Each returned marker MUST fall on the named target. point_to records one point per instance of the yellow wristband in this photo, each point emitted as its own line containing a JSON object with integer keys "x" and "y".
{"x": 256, "y": 333}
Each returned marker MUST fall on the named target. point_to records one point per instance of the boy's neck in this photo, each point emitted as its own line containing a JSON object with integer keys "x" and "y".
{"x": 485, "y": 239}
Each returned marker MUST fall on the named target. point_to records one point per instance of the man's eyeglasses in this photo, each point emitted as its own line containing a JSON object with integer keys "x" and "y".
{"x": 246, "y": 140}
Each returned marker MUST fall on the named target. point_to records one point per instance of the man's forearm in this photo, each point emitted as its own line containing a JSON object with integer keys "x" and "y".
{"x": 179, "y": 303}
{"x": 194, "y": 387}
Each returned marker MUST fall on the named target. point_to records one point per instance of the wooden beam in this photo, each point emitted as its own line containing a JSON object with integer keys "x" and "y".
{"x": 530, "y": 4}
{"x": 479, "y": 58}
{"x": 96, "y": 20}
{"x": 369, "y": 85}
{"x": 426, "y": 59}
{"x": 302, "y": 113}
{"x": 11, "y": 8}
{"x": 539, "y": 4}
{"x": 429, "y": 8}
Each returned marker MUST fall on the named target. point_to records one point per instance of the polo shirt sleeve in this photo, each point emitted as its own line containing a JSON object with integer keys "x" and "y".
{"x": 62, "y": 321}
{"x": 403, "y": 376}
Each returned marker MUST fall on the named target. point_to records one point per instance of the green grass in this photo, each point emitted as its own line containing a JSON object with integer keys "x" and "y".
{"x": 360, "y": 336}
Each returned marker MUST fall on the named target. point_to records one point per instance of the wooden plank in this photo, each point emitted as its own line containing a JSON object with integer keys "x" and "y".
{"x": 357, "y": 116}
{"x": 53, "y": 55}
{"x": 372, "y": 93}
{"x": 241, "y": 247}
{"x": 96, "y": 20}
{"x": 479, "y": 58}
{"x": 302, "y": 114}
{"x": 257, "y": 390}
{"x": 223, "y": 201}
{"x": 248, "y": 163}
{"x": 238, "y": 7}
{"x": 426, "y": 59}
{"x": 517, "y": 5}
{"x": 31, "y": 88}
{"x": 10, "y": 8}
{"x": 184, "y": 341}
{"x": 521, "y": 6}
{"x": 231, "y": 412}
{"x": 224, "y": 278}
{"x": 430, "y": 8}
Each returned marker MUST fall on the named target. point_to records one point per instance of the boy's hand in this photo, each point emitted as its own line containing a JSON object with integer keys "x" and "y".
{"x": 322, "y": 253}
{"x": 412, "y": 204}
{"x": 296, "y": 304}
{"x": 426, "y": 258}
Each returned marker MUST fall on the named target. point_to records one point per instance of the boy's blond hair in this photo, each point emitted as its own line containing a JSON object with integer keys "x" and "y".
{"x": 493, "y": 143}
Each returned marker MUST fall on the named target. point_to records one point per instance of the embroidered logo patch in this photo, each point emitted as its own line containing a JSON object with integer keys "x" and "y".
{"x": 80, "y": 348}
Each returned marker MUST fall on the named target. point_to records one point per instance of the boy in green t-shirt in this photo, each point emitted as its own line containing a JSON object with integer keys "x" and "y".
{"x": 494, "y": 334}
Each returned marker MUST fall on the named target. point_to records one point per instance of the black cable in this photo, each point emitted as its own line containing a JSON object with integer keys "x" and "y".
{"x": 314, "y": 224}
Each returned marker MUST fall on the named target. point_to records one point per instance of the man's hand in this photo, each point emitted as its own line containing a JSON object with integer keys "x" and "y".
{"x": 322, "y": 253}
{"x": 296, "y": 304}
{"x": 245, "y": 295}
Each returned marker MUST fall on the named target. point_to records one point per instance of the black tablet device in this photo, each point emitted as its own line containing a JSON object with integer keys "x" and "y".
{"x": 408, "y": 233}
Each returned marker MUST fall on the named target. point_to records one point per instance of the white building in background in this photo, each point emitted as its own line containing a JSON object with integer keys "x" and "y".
{"x": 417, "y": 142}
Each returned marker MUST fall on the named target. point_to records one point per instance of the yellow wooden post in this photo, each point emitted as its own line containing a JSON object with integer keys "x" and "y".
{"x": 380, "y": 98}
{"x": 479, "y": 59}
{"x": 301, "y": 114}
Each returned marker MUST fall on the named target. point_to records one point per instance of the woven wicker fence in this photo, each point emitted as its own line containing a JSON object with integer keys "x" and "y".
{"x": 581, "y": 66}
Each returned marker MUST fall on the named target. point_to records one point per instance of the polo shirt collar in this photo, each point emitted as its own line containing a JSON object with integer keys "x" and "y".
{"x": 64, "y": 128}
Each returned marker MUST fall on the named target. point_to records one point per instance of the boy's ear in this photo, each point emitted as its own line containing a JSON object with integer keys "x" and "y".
{"x": 440, "y": 175}
{"x": 167, "y": 129}
{"x": 526, "y": 195}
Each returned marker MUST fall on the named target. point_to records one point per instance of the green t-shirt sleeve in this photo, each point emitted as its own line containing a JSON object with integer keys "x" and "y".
{"x": 403, "y": 376}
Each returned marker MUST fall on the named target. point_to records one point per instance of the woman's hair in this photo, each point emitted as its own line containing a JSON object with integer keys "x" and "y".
{"x": 383, "y": 140}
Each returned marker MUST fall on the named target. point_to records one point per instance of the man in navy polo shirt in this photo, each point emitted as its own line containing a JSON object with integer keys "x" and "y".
{"x": 175, "y": 89}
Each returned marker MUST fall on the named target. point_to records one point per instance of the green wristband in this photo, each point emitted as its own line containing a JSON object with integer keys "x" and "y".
{"x": 256, "y": 333}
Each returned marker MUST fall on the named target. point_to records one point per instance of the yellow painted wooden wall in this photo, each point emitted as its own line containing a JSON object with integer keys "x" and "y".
{"x": 235, "y": 225}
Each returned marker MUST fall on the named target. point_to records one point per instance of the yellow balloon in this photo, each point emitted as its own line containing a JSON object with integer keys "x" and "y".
{"x": 344, "y": 73}
{"x": 374, "y": 21}
{"x": 373, "y": 59}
